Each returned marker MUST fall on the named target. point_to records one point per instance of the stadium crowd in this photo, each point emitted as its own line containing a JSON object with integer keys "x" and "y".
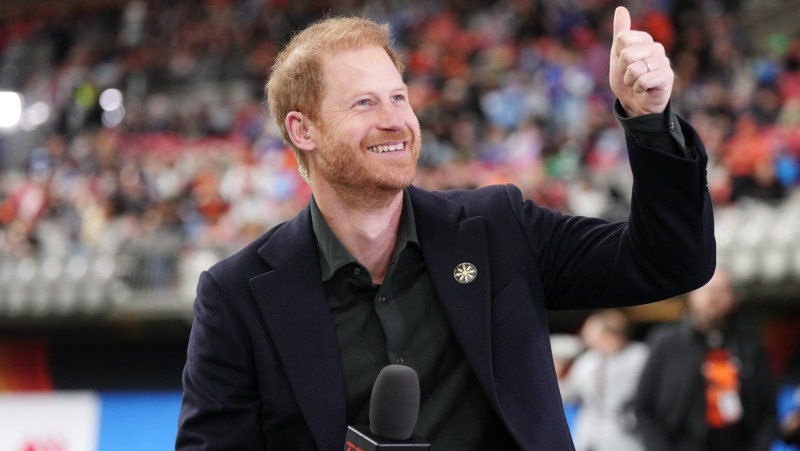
{"x": 506, "y": 91}
{"x": 186, "y": 156}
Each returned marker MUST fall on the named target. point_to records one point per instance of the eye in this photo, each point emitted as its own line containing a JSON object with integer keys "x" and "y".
{"x": 398, "y": 98}
{"x": 362, "y": 102}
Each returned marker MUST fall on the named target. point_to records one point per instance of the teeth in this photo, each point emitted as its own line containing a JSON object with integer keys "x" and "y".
{"x": 381, "y": 149}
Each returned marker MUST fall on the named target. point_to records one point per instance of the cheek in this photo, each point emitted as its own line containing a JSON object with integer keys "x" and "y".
{"x": 413, "y": 124}
{"x": 347, "y": 137}
{"x": 356, "y": 134}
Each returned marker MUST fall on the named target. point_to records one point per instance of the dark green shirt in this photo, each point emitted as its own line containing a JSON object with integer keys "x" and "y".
{"x": 402, "y": 321}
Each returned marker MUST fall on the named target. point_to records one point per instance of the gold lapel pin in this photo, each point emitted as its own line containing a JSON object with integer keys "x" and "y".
{"x": 465, "y": 273}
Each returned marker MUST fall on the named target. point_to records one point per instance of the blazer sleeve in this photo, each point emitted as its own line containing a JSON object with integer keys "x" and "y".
{"x": 221, "y": 405}
{"x": 665, "y": 248}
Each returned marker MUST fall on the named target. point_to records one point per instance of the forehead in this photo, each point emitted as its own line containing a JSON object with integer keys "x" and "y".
{"x": 365, "y": 69}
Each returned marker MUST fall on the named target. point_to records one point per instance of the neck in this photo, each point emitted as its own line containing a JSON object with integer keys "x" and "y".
{"x": 612, "y": 346}
{"x": 368, "y": 230}
{"x": 705, "y": 325}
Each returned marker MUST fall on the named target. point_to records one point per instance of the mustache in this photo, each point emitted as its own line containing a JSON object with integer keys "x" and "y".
{"x": 385, "y": 137}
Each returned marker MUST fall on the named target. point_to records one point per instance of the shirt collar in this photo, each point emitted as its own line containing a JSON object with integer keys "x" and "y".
{"x": 332, "y": 253}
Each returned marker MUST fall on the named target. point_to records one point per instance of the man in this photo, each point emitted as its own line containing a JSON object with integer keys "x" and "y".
{"x": 603, "y": 381}
{"x": 707, "y": 385}
{"x": 290, "y": 333}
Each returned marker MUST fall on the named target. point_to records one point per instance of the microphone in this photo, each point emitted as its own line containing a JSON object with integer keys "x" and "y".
{"x": 393, "y": 411}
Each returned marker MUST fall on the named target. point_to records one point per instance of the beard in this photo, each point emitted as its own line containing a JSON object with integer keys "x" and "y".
{"x": 362, "y": 177}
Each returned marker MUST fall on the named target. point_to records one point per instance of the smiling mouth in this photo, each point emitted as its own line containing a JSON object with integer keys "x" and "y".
{"x": 386, "y": 148}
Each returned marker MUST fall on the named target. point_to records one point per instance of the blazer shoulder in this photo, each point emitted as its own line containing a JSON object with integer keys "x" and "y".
{"x": 244, "y": 263}
{"x": 485, "y": 200}
{"x": 476, "y": 194}
{"x": 279, "y": 245}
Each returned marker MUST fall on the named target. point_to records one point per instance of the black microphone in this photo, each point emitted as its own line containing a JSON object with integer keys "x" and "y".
{"x": 393, "y": 411}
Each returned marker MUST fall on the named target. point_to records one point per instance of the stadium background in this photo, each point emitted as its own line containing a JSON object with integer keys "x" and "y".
{"x": 135, "y": 150}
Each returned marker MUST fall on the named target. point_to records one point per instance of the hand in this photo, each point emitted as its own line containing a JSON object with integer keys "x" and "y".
{"x": 640, "y": 74}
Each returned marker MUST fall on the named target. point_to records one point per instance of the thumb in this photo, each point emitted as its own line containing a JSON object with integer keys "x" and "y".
{"x": 622, "y": 20}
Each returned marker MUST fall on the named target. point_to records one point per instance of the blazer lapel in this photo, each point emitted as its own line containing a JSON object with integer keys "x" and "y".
{"x": 447, "y": 240}
{"x": 294, "y": 307}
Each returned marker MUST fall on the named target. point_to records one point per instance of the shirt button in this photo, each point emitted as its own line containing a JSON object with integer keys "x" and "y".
{"x": 357, "y": 271}
{"x": 400, "y": 360}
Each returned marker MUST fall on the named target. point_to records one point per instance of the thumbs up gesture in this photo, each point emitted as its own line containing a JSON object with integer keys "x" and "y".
{"x": 640, "y": 74}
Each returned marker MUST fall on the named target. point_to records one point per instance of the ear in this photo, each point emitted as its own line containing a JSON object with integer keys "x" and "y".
{"x": 299, "y": 129}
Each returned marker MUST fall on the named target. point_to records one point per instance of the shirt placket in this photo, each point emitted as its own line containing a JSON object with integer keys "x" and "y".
{"x": 393, "y": 325}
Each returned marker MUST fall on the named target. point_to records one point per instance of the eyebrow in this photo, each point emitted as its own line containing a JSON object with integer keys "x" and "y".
{"x": 403, "y": 87}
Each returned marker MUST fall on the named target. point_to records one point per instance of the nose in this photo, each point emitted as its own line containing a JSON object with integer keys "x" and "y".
{"x": 389, "y": 117}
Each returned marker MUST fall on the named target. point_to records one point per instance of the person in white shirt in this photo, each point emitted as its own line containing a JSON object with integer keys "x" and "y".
{"x": 603, "y": 381}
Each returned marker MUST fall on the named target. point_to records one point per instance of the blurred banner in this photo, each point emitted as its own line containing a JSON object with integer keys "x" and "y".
{"x": 87, "y": 421}
{"x": 49, "y": 422}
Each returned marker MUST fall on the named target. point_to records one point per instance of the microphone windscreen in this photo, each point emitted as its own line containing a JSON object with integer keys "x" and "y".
{"x": 394, "y": 406}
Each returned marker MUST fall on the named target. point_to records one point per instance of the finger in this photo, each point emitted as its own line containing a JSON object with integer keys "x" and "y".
{"x": 657, "y": 80}
{"x": 630, "y": 38}
{"x": 622, "y": 23}
{"x": 639, "y": 68}
{"x": 622, "y": 20}
{"x": 636, "y": 70}
{"x": 637, "y": 52}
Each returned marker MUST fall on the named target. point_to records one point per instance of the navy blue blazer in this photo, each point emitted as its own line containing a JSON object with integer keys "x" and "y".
{"x": 263, "y": 370}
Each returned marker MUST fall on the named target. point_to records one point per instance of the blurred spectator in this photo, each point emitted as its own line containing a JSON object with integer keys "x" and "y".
{"x": 789, "y": 402}
{"x": 566, "y": 348}
{"x": 707, "y": 385}
{"x": 508, "y": 92}
{"x": 789, "y": 407}
{"x": 749, "y": 156}
{"x": 603, "y": 381}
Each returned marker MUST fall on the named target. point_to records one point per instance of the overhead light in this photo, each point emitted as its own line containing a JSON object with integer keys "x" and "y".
{"x": 35, "y": 115}
{"x": 110, "y": 99}
{"x": 10, "y": 109}
{"x": 112, "y": 118}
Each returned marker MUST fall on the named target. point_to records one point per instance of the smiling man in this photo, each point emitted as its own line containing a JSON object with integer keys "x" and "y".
{"x": 290, "y": 333}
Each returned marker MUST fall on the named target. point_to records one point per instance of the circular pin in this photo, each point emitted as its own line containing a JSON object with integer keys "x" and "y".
{"x": 465, "y": 273}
